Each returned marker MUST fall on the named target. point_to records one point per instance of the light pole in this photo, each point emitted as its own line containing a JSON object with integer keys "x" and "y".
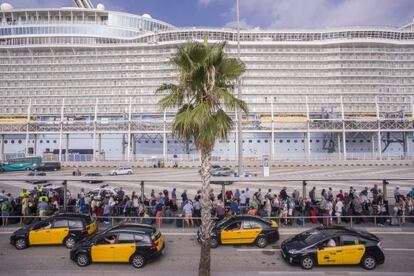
{"x": 239, "y": 114}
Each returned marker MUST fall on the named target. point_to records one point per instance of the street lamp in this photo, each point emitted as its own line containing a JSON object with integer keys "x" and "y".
{"x": 239, "y": 114}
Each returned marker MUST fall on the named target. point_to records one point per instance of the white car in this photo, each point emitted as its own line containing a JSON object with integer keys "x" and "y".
{"x": 121, "y": 170}
{"x": 103, "y": 190}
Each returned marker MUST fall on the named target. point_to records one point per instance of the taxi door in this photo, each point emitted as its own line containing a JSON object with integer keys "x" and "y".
{"x": 40, "y": 234}
{"x": 329, "y": 255}
{"x": 59, "y": 231}
{"x": 232, "y": 234}
{"x": 124, "y": 247}
{"x": 102, "y": 251}
{"x": 250, "y": 231}
{"x": 352, "y": 250}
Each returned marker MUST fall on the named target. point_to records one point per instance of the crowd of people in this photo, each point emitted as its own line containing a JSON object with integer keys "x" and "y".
{"x": 323, "y": 206}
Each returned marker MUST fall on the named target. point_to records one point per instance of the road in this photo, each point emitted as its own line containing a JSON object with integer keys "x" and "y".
{"x": 175, "y": 177}
{"x": 181, "y": 257}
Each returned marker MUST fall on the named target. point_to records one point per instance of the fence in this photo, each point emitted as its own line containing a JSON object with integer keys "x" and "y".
{"x": 293, "y": 221}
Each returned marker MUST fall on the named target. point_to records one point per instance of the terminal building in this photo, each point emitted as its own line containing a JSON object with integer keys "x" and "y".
{"x": 78, "y": 84}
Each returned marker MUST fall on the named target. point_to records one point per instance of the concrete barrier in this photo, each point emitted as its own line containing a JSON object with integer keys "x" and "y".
{"x": 247, "y": 164}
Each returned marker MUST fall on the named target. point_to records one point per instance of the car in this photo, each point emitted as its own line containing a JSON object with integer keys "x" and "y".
{"x": 243, "y": 230}
{"x": 38, "y": 181}
{"x": 62, "y": 228}
{"x": 128, "y": 243}
{"x": 121, "y": 170}
{"x": 92, "y": 177}
{"x": 50, "y": 166}
{"x": 213, "y": 168}
{"x": 333, "y": 245}
{"x": 223, "y": 171}
{"x": 102, "y": 191}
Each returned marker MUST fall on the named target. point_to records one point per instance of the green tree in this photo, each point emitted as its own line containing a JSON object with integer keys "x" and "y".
{"x": 202, "y": 95}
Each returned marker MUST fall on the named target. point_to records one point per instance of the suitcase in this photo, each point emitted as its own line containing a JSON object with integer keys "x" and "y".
{"x": 179, "y": 221}
{"x": 313, "y": 214}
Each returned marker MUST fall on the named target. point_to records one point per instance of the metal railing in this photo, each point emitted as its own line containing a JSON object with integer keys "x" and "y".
{"x": 283, "y": 222}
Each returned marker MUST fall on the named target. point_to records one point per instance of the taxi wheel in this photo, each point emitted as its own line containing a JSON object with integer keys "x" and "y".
{"x": 307, "y": 262}
{"x": 213, "y": 242}
{"x": 82, "y": 259}
{"x": 369, "y": 262}
{"x": 70, "y": 242}
{"x": 261, "y": 242}
{"x": 138, "y": 261}
{"x": 21, "y": 243}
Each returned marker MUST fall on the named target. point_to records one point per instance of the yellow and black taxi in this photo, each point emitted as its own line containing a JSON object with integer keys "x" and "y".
{"x": 333, "y": 245}
{"x": 243, "y": 230}
{"x": 62, "y": 228}
{"x": 124, "y": 243}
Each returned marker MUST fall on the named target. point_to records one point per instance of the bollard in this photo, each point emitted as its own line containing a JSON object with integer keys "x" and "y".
{"x": 384, "y": 188}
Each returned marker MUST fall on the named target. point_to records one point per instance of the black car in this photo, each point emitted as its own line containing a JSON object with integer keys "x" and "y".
{"x": 243, "y": 230}
{"x": 92, "y": 178}
{"x": 333, "y": 245}
{"x": 128, "y": 243}
{"x": 63, "y": 228}
{"x": 50, "y": 166}
{"x": 37, "y": 181}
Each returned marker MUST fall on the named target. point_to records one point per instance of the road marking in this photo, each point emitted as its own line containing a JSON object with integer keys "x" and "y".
{"x": 277, "y": 250}
{"x": 258, "y": 250}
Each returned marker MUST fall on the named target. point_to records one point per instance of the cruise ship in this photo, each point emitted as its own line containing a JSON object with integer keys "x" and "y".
{"x": 77, "y": 84}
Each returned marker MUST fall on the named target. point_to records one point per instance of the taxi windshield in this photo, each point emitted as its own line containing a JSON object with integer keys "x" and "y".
{"x": 311, "y": 236}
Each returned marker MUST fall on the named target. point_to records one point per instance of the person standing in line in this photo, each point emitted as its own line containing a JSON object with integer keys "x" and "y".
{"x": 338, "y": 210}
{"x": 188, "y": 213}
{"x": 248, "y": 196}
{"x": 5, "y": 211}
{"x": 312, "y": 195}
{"x": 42, "y": 208}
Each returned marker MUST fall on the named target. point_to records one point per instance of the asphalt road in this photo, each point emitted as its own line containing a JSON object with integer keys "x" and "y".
{"x": 181, "y": 257}
{"x": 175, "y": 179}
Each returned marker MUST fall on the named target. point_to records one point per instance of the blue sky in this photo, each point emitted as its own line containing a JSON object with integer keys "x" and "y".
{"x": 266, "y": 14}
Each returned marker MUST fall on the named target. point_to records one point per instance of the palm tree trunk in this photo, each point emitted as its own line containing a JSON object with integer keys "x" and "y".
{"x": 204, "y": 266}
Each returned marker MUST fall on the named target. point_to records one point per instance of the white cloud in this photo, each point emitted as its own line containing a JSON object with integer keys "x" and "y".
{"x": 278, "y": 14}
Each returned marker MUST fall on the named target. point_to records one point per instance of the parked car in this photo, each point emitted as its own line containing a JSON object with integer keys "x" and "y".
{"x": 243, "y": 230}
{"x": 63, "y": 228}
{"x": 223, "y": 171}
{"x": 50, "y": 166}
{"x": 92, "y": 177}
{"x": 103, "y": 190}
{"x": 38, "y": 181}
{"x": 121, "y": 170}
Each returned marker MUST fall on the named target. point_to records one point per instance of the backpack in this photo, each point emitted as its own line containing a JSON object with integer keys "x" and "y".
{"x": 5, "y": 206}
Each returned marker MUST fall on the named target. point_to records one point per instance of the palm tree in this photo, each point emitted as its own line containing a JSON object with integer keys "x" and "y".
{"x": 202, "y": 95}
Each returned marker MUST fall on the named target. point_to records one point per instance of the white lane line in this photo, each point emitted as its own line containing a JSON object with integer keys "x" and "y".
{"x": 257, "y": 250}
{"x": 277, "y": 250}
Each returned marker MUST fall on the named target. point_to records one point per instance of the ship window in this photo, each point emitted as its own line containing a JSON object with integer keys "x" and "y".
{"x": 242, "y": 141}
{"x": 368, "y": 141}
{"x": 41, "y": 141}
{"x": 20, "y": 141}
{"x": 266, "y": 141}
{"x": 361, "y": 141}
{"x": 287, "y": 141}
{"x": 12, "y": 141}
{"x": 250, "y": 141}
{"x": 258, "y": 141}
{"x": 353, "y": 141}
{"x": 346, "y": 141}
{"x": 5, "y": 141}
{"x": 54, "y": 141}
{"x": 317, "y": 141}
{"x": 295, "y": 141}
{"x": 47, "y": 141}
{"x": 281, "y": 141}
{"x": 146, "y": 141}
{"x": 310, "y": 140}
